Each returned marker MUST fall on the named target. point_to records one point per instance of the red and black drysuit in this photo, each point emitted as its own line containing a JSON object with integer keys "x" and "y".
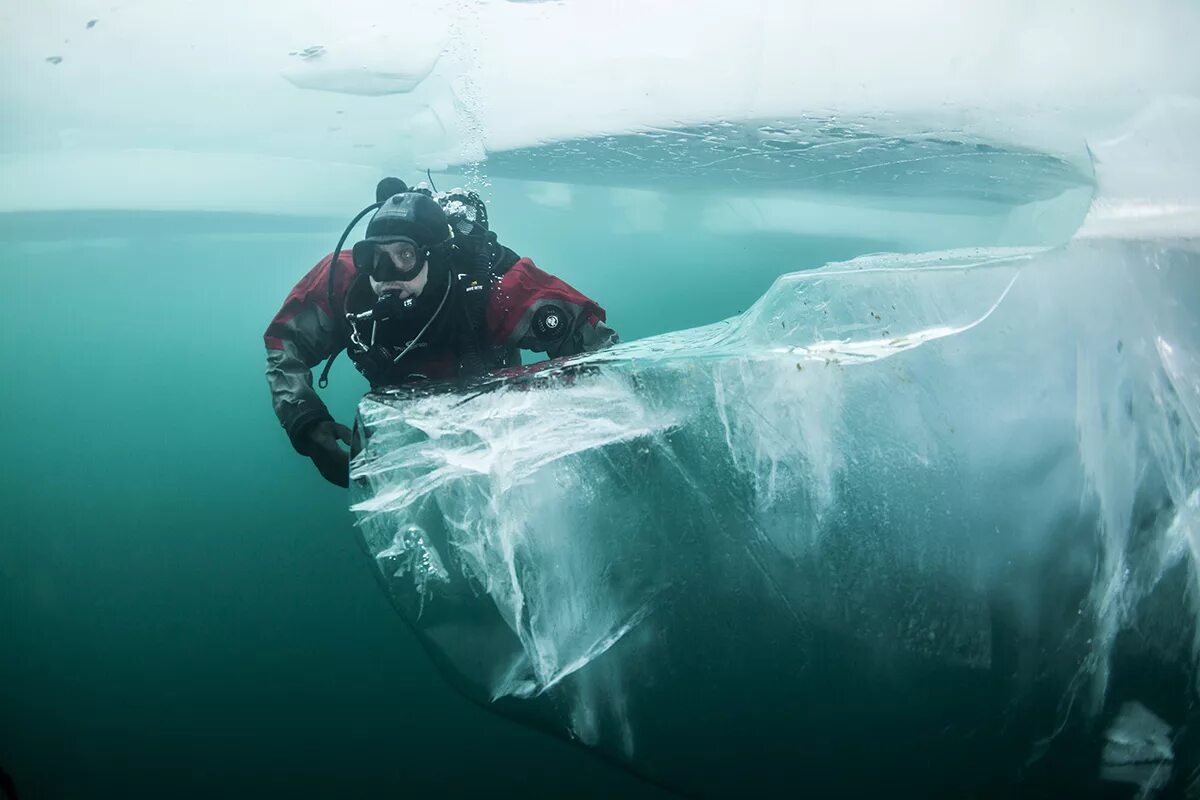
{"x": 487, "y": 316}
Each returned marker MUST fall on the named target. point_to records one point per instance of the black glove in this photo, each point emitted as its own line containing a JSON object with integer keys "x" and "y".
{"x": 331, "y": 459}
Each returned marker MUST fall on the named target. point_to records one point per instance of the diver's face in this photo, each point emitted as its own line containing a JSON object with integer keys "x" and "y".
{"x": 403, "y": 257}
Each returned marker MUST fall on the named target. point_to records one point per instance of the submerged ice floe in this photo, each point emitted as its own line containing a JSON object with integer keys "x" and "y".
{"x": 910, "y": 521}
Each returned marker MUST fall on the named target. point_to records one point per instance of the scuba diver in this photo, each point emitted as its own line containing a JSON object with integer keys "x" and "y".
{"x": 429, "y": 294}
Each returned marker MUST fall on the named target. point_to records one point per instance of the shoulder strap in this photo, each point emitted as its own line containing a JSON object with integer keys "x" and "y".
{"x": 475, "y": 288}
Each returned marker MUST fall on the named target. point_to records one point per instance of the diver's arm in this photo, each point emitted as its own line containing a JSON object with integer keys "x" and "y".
{"x": 301, "y": 335}
{"x": 590, "y": 334}
{"x": 586, "y": 330}
{"x": 537, "y": 311}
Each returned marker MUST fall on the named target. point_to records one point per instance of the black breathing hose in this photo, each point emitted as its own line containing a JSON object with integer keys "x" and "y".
{"x": 338, "y": 249}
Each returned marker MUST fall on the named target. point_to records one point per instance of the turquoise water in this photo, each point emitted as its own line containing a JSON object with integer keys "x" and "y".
{"x": 185, "y": 604}
{"x": 187, "y": 611}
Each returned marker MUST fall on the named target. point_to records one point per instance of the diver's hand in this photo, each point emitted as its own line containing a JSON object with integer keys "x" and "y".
{"x": 332, "y": 460}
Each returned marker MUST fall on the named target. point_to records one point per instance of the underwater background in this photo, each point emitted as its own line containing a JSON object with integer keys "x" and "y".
{"x": 186, "y": 609}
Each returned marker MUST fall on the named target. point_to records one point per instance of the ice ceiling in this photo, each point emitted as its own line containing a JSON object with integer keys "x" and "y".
{"x": 229, "y": 106}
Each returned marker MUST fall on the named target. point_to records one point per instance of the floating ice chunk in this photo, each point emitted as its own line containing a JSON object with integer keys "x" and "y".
{"x": 1137, "y": 736}
{"x": 905, "y": 511}
{"x": 1138, "y": 749}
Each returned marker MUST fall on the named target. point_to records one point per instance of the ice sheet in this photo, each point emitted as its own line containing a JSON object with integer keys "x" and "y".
{"x": 910, "y": 509}
{"x": 214, "y": 88}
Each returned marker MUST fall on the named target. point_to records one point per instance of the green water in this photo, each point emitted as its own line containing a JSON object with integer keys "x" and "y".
{"x": 185, "y": 608}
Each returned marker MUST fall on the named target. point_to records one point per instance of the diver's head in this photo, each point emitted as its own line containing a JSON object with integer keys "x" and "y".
{"x": 405, "y": 232}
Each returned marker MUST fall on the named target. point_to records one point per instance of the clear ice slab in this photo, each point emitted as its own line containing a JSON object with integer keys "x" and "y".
{"x": 916, "y": 524}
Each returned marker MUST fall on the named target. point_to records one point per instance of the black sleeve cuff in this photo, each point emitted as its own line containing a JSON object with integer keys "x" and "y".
{"x": 303, "y": 422}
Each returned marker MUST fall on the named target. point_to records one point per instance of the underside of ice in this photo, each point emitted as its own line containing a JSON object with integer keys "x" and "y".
{"x": 936, "y": 515}
{"x": 369, "y": 66}
{"x": 879, "y": 96}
